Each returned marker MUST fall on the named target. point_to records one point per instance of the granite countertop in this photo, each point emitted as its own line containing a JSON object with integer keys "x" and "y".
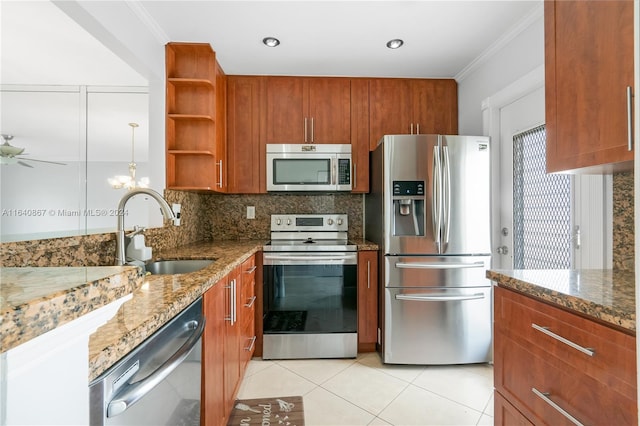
{"x": 36, "y": 300}
{"x": 161, "y": 297}
{"x": 605, "y": 295}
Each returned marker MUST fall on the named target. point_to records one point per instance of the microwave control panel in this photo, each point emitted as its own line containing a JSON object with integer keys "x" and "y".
{"x": 344, "y": 171}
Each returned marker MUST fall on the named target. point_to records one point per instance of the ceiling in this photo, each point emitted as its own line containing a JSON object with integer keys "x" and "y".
{"x": 332, "y": 38}
{"x": 340, "y": 38}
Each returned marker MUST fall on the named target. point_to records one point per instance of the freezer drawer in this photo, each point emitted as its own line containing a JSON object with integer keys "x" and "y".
{"x": 436, "y": 271}
{"x": 437, "y": 325}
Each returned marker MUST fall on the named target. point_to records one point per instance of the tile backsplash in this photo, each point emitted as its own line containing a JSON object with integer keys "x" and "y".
{"x": 228, "y": 212}
{"x": 623, "y": 221}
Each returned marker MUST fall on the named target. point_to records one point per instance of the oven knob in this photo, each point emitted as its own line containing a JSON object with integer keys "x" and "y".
{"x": 340, "y": 222}
{"x": 278, "y": 222}
{"x": 330, "y": 221}
{"x": 288, "y": 221}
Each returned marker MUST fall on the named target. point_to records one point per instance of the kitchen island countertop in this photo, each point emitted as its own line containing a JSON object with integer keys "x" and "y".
{"x": 602, "y": 294}
{"x": 35, "y": 300}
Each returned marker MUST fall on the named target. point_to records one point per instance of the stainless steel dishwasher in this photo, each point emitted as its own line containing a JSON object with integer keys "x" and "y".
{"x": 158, "y": 383}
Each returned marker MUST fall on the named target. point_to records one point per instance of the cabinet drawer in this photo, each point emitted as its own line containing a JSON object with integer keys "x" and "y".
{"x": 533, "y": 383}
{"x": 598, "y": 351}
{"x": 506, "y": 414}
{"x": 248, "y": 292}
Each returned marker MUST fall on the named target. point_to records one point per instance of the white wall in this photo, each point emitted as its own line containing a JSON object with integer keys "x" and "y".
{"x": 510, "y": 59}
{"x": 122, "y": 27}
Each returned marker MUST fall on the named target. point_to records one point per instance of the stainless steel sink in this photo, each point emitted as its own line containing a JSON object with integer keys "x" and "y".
{"x": 171, "y": 267}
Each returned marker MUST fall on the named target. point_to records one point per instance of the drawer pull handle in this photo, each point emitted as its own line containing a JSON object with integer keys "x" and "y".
{"x": 250, "y": 271}
{"x": 545, "y": 397}
{"x": 250, "y": 347}
{"x": 545, "y": 330}
{"x": 250, "y": 304}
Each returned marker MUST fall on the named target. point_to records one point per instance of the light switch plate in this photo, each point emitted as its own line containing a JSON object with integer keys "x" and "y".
{"x": 251, "y": 212}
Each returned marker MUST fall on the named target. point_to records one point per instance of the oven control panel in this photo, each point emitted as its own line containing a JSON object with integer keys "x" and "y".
{"x": 309, "y": 222}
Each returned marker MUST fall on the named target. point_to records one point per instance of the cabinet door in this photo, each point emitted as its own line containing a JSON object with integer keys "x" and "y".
{"x": 213, "y": 399}
{"x": 389, "y": 109}
{"x": 285, "y": 110}
{"x": 244, "y": 156}
{"x": 232, "y": 340}
{"x": 435, "y": 106}
{"x": 221, "y": 130}
{"x": 367, "y": 301}
{"x": 360, "y": 134}
{"x": 329, "y": 114}
{"x": 588, "y": 67}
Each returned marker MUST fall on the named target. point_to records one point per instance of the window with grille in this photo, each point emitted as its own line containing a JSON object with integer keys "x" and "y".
{"x": 541, "y": 207}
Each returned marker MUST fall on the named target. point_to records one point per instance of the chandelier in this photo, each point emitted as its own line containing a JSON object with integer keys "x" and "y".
{"x": 129, "y": 181}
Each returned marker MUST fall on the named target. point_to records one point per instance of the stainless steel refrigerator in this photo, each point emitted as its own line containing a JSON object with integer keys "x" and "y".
{"x": 429, "y": 211}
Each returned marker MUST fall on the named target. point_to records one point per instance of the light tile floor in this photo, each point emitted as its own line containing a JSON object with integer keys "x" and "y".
{"x": 363, "y": 391}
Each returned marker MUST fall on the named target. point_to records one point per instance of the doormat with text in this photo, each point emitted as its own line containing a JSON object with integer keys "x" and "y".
{"x": 285, "y": 411}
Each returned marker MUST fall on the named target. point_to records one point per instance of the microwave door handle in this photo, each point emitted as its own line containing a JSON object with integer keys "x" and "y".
{"x": 334, "y": 161}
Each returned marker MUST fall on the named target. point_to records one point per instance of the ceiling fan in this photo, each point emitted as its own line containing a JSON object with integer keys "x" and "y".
{"x": 9, "y": 154}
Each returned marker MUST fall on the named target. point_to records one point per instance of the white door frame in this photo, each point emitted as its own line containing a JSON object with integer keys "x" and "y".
{"x": 491, "y": 107}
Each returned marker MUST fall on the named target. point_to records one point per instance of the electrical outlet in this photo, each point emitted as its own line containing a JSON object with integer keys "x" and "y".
{"x": 251, "y": 212}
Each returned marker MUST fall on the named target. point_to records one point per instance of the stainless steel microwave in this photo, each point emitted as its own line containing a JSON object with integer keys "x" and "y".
{"x": 318, "y": 167}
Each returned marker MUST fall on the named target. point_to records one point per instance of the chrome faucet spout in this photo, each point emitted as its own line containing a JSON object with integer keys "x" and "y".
{"x": 167, "y": 213}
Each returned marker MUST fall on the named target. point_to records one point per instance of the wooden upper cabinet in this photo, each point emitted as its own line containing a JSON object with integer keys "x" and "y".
{"x": 435, "y": 106}
{"x": 588, "y": 68}
{"x": 412, "y": 106}
{"x": 245, "y": 156}
{"x": 195, "y": 124}
{"x": 307, "y": 110}
{"x": 390, "y": 109}
{"x": 221, "y": 130}
{"x": 329, "y": 110}
{"x": 360, "y": 134}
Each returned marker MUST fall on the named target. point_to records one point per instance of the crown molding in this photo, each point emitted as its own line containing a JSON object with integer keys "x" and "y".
{"x": 512, "y": 33}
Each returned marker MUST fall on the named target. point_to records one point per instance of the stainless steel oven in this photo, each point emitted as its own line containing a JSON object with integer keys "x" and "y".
{"x": 310, "y": 289}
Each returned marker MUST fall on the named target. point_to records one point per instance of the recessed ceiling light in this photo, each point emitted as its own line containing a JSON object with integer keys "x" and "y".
{"x": 270, "y": 41}
{"x": 395, "y": 43}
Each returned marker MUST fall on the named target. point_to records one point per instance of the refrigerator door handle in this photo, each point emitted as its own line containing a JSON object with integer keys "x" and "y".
{"x": 439, "y": 297}
{"x": 435, "y": 265}
{"x": 436, "y": 203}
{"x": 446, "y": 195}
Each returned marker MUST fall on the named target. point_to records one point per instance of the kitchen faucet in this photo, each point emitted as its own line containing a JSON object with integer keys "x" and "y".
{"x": 164, "y": 207}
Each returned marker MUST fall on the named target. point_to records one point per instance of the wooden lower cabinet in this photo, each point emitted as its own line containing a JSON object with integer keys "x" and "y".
{"x": 537, "y": 372}
{"x": 232, "y": 342}
{"x": 215, "y": 309}
{"x": 224, "y": 353}
{"x": 367, "y": 301}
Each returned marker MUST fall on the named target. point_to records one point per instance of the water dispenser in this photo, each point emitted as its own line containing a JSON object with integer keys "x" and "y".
{"x": 408, "y": 208}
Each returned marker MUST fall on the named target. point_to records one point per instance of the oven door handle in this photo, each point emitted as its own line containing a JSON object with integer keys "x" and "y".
{"x": 311, "y": 257}
{"x": 131, "y": 394}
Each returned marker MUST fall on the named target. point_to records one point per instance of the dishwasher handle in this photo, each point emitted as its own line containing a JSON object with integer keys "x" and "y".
{"x": 131, "y": 394}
